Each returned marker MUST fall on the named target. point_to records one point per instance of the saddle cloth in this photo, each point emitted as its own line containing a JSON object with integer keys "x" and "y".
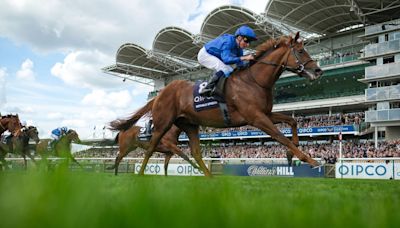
{"x": 200, "y": 102}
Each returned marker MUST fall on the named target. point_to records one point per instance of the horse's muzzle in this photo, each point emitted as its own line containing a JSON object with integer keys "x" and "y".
{"x": 316, "y": 73}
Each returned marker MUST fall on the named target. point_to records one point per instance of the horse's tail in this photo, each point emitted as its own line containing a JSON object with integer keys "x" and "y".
{"x": 125, "y": 124}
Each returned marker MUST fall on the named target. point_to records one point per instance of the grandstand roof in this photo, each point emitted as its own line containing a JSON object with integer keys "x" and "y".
{"x": 132, "y": 61}
{"x": 176, "y": 41}
{"x": 326, "y": 17}
{"x": 175, "y": 49}
{"x": 226, "y": 19}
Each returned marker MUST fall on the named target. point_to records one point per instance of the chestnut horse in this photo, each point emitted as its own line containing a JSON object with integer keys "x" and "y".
{"x": 20, "y": 144}
{"x": 128, "y": 141}
{"x": 10, "y": 123}
{"x": 248, "y": 95}
{"x": 61, "y": 148}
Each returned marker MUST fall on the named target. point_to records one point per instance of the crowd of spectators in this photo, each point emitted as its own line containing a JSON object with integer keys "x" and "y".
{"x": 338, "y": 57}
{"x": 321, "y": 120}
{"x": 324, "y": 150}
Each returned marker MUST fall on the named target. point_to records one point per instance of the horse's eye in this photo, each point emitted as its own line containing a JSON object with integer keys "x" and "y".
{"x": 301, "y": 51}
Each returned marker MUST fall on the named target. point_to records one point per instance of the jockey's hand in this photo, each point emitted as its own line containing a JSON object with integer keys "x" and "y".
{"x": 247, "y": 57}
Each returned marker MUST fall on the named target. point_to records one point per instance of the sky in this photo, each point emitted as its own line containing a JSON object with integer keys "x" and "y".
{"x": 52, "y": 52}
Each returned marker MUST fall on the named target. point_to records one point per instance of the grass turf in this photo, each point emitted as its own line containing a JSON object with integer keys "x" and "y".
{"x": 75, "y": 199}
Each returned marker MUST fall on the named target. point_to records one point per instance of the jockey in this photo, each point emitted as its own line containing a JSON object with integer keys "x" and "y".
{"x": 58, "y": 132}
{"x": 220, "y": 53}
{"x": 148, "y": 127}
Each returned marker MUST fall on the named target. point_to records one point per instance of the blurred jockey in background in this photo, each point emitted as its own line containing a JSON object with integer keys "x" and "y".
{"x": 58, "y": 132}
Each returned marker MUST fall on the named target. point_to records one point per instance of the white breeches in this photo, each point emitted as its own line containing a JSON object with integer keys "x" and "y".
{"x": 55, "y": 136}
{"x": 212, "y": 62}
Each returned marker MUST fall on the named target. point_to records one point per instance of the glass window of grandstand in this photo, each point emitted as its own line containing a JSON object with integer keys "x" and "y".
{"x": 389, "y": 59}
{"x": 396, "y": 35}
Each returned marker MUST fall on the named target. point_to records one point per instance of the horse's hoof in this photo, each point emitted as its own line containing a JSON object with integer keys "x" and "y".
{"x": 316, "y": 166}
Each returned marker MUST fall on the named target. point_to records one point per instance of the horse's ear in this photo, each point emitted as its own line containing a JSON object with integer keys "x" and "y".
{"x": 298, "y": 39}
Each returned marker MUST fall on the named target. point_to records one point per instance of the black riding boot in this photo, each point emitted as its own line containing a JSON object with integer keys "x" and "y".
{"x": 211, "y": 84}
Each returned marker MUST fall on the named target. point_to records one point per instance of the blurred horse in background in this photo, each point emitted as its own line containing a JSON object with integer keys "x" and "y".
{"x": 20, "y": 145}
{"x": 10, "y": 123}
{"x": 61, "y": 148}
{"x": 129, "y": 140}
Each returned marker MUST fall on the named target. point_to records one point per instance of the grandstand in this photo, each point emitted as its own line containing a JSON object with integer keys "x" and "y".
{"x": 356, "y": 42}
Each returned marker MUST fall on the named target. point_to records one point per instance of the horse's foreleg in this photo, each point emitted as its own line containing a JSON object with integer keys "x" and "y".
{"x": 279, "y": 118}
{"x": 123, "y": 151}
{"x": 74, "y": 160}
{"x": 194, "y": 143}
{"x": 179, "y": 152}
{"x": 118, "y": 159}
{"x": 25, "y": 163}
{"x": 32, "y": 158}
{"x": 262, "y": 122}
{"x": 161, "y": 126}
{"x": 3, "y": 162}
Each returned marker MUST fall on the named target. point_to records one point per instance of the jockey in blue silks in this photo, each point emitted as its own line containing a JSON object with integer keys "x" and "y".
{"x": 58, "y": 132}
{"x": 223, "y": 51}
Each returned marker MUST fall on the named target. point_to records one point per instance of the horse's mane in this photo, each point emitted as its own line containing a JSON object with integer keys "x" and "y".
{"x": 9, "y": 116}
{"x": 268, "y": 44}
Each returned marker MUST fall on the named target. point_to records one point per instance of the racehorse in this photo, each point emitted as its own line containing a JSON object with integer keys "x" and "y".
{"x": 61, "y": 148}
{"x": 128, "y": 141}
{"x": 20, "y": 144}
{"x": 10, "y": 123}
{"x": 248, "y": 96}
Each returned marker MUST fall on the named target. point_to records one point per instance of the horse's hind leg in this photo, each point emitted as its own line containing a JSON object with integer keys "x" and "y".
{"x": 168, "y": 156}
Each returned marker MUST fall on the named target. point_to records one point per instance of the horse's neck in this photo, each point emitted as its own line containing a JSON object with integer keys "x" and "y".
{"x": 65, "y": 140}
{"x": 3, "y": 125}
{"x": 265, "y": 74}
{"x": 24, "y": 138}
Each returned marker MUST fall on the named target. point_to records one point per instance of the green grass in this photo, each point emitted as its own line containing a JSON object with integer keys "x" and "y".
{"x": 75, "y": 199}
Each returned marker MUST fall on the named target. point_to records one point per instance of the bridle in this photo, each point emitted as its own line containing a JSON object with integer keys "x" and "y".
{"x": 297, "y": 70}
{"x": 300, "y": 65}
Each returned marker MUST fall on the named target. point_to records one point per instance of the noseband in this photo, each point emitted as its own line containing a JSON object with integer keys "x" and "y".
{"x": 300, "y": 66}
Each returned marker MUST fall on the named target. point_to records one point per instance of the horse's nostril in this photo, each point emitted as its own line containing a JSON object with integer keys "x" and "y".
{"x": 319, "y": 71}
